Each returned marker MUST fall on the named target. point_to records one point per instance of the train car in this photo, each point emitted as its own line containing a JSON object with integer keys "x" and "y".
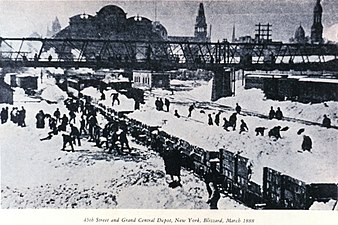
{"x": 253, "y": 197}
{"x": 321, "y": 192}
{"x": 272, "y": 188}
{"x": 317, "y": 90}
{"x": 293, "y": 193}
{"x": 227, "y": 169}
{"x": 241, "y": 177}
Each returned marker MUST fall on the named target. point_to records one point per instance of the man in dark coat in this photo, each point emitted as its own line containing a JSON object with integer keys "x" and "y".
{"x": 114, "y": 138}
{"x": 4, "y": 115}
{"x": 40, "y": 119}
{"x": 64, "y": 122}
{"x": 210, "y": 123}
{"x": 92, "y": 121}
{"x": 191, "y": 108}
{"x": 260, "y": 130}
{"x": 75, "y": 134}
{"x": 115, "y": 98}
{"x": 238, "y": 108}
{"x": 172, "y": 162}
{"x": 275, "y": 132}
{"x": 210, "y": 179}
{"x": 83, "y": 125}
{"x": 226, "y": 124}
{"x": 67, "y": 139}
{"x": 307, "y": 143}
{"x": 160, "y": 104}
{"x": 167, "y": 103}
{"x": 272, "y": 113}
{"x": 57, "y": 114}
{"x": 243, "y": 127}
{"x": 279, "y": 114}
{"x": 157, "y": 103}
{"x": 232, "y": 120}
{"x": 22, "y": 117}
{"x": 326, "y": 122}
{"x": 72, "y": 116}
{"x": 217, "y": 118}
{"x": 124, "y": 140}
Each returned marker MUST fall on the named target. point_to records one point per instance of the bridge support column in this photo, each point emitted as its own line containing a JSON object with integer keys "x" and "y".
{"x": 221, "y": 85}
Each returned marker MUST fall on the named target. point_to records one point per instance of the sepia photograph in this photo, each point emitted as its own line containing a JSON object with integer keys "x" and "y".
{"x": 169, "y": 112}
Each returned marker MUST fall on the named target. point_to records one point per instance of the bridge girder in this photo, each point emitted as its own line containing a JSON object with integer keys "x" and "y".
{"x": 34, "y": 52}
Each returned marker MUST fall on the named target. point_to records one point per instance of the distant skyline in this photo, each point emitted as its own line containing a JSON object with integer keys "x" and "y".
{"x": 21, "y": 18}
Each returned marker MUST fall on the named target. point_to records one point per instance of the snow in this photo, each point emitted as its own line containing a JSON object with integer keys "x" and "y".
{"x": 46, "y": 177}
{"x": 51, "y": 92}
{"x": 281, "y": 155}
{"x": 330, "y": 205}
{"x": 333, "y": 81}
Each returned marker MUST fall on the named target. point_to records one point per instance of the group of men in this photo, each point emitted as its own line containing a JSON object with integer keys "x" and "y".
{"x": 159, "y": 104}
{"x": 17, "y": 116}
{"x": 110, "y": 135}
{"x": 278, "y": 114}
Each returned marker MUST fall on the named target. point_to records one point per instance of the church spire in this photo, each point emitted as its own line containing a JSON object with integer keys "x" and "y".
{"x": 317, "y": 27}
{"x": 201, "y": 25}
{"x": 233, "y": 40}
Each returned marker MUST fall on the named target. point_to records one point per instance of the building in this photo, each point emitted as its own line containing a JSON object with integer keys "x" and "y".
{"x": 300, "y": 35}
{"x": 200, "y": 32}
{"x": 148, "y": 79}
{"x": 317, "y": 27}
{"x": 6, "y": 93}
{"x": 111, "y": 22}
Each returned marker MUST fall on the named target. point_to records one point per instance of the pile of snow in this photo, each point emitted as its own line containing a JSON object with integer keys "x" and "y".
{"x": 53, "y": 94}
{"x": 92, "y": 92}
{"x": 330, "y": 205}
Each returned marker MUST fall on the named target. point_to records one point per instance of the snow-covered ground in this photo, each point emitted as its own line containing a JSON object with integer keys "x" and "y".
{"x": 38, "y": 174}
{"x": 283, "y": 155}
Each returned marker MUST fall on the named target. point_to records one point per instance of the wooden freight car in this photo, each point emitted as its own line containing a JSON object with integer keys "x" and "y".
{"x": 293, "y": 193}
{"x": 272, "y": 188}
{"x": 227, "y": 169}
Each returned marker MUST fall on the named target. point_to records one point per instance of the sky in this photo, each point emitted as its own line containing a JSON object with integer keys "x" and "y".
{"x": 21, "y": 18}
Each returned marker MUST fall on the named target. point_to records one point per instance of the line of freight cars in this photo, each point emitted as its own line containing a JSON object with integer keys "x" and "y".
{"x": 279, "y": 191}
{"x": 301, "y": 89}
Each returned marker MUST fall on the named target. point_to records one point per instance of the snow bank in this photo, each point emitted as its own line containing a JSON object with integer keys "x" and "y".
{"x": 53, "y": 94}
{"x": 330, "y": 205}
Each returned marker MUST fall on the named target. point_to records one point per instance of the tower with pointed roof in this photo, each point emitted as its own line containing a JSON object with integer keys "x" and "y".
{"x": 201, "y": 25}
{"x": 317, "y": 27}
{"x": 300, "y": 35}
{"x": 233, "y": 39}
{"x": 56, "y": 26}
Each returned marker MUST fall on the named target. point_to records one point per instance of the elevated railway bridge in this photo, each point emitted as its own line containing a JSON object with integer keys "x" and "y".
{"x": 166, "y": 55}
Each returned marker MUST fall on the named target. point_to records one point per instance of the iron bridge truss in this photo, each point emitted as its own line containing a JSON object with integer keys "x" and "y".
{"x": 165, "y": 55}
